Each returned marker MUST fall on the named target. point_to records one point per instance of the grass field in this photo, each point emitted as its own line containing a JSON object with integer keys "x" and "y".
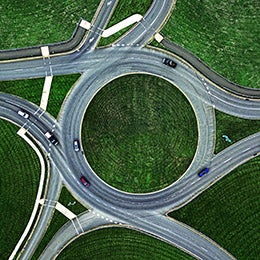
{"x": 139, "y": 133}
{"x": 31, "y": 90}
{"x": 28, "y": 23}
{"x": 228, "y": 212}
{"x": 120, "y": 243}
{"x": 235, "y": 128}
{"x": 59, "y": 220}
{"x": 19, "y": 179}
{"x": 123, "y": 10}
{"x": 224, "y": 34}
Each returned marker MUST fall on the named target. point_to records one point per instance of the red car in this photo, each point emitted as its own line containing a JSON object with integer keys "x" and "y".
{"x": 84, "y": 181}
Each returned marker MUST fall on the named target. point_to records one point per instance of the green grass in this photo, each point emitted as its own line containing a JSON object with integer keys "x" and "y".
{"x": 235, "y": 128}
{"x": 59, "y": 219}
{"x": 120, "y": 243}
{"x": 61, "y": 85}
{"x": 66, "y": 199}
{"x": 28, "y": 23}
{"x": 19, "y": 180}
{"x": 139, "y": 133}
{"x": 31, "y": 90}
{"x": 224, "y": 34}
{"x": 123, "y": 10}
{"x": 228, "y": 212}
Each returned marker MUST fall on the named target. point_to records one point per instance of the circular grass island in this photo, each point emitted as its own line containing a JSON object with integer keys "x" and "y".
{"x": 139, "y": 133}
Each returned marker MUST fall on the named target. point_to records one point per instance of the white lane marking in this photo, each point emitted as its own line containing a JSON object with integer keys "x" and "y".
{"x": 75, "y": 227}
{"x": 36, "y": 111}
{"x": 82, "y": 230}
{"x": 103, "y": 217}
{"x": 51, "y": 70}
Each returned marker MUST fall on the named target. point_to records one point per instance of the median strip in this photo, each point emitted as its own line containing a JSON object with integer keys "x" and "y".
{"x": 61, "y": 208}
{"x": 158, "y": 37}
{"x": 46, "y": 92}
{"x": 66, "y": 212}
{"x": 22, "y": 132}
{"x": 85, "y": 24}
{"x": 121, "y": 25}
{"x": 45, "y": 51}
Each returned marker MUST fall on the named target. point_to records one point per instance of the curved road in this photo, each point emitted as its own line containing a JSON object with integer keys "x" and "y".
{"x": 98, "y": 67}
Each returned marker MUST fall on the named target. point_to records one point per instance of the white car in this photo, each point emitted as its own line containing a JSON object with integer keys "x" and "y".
{"x": 23, "y": 114}
{"x": 76, "y": 145}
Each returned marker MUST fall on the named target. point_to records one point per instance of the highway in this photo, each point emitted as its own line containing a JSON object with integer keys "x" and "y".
{"x": 98, "y": 66}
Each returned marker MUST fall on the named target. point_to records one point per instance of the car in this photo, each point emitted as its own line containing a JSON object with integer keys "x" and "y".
{"x": 23, "y": 114}
{"x": 84, "y": 181}
{"x": 76, "y": 145}
{"x": 169, "y": 62}
{"x": 203, "y": 172}
{"x": 51, "y": 138}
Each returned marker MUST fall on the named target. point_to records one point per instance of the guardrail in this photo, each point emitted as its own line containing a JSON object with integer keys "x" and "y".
{"x": 54, "y": 48}
{"x": 209, "y": 73}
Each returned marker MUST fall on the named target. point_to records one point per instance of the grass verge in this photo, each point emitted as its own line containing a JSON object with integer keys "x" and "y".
{"x": 120, "y": 243}
{"x": 40, "y": 22}
{"x": 31, "y": 90}
{"x": 228, "y": 212}
{"x": 19, "y": 180}
{"x": 139, "y": 133}
{"x": 235, "y": 128}
{"x": 224, "y": 34}
{"x": 58, "y": 219}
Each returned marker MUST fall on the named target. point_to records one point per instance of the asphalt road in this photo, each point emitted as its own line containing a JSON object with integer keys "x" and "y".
{"x": 99, "y": 66}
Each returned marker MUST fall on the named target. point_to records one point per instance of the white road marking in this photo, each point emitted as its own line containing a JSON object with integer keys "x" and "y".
{"x": 75, "y": 227}
{"x": 82, "y": 230}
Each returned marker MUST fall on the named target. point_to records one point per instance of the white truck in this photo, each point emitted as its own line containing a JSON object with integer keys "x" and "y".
{"x": 51, "y": 138}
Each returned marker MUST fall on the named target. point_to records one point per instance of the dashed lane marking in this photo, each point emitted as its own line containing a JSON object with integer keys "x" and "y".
{"x": 103, "y": 217}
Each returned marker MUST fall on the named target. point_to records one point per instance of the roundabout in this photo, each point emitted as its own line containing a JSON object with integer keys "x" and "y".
{"x": 139, "y": 134}
{"x": 144, "y": 210}
{"x": 74, "y": 112}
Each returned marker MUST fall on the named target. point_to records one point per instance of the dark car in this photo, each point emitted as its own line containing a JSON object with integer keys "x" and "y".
{"x": 169, "y": 62}
{"x": 203, "y": 172}
{"x": 52, "y": 138}
{"x": 84, "y": 181}
{"x": 76, "y": 145}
